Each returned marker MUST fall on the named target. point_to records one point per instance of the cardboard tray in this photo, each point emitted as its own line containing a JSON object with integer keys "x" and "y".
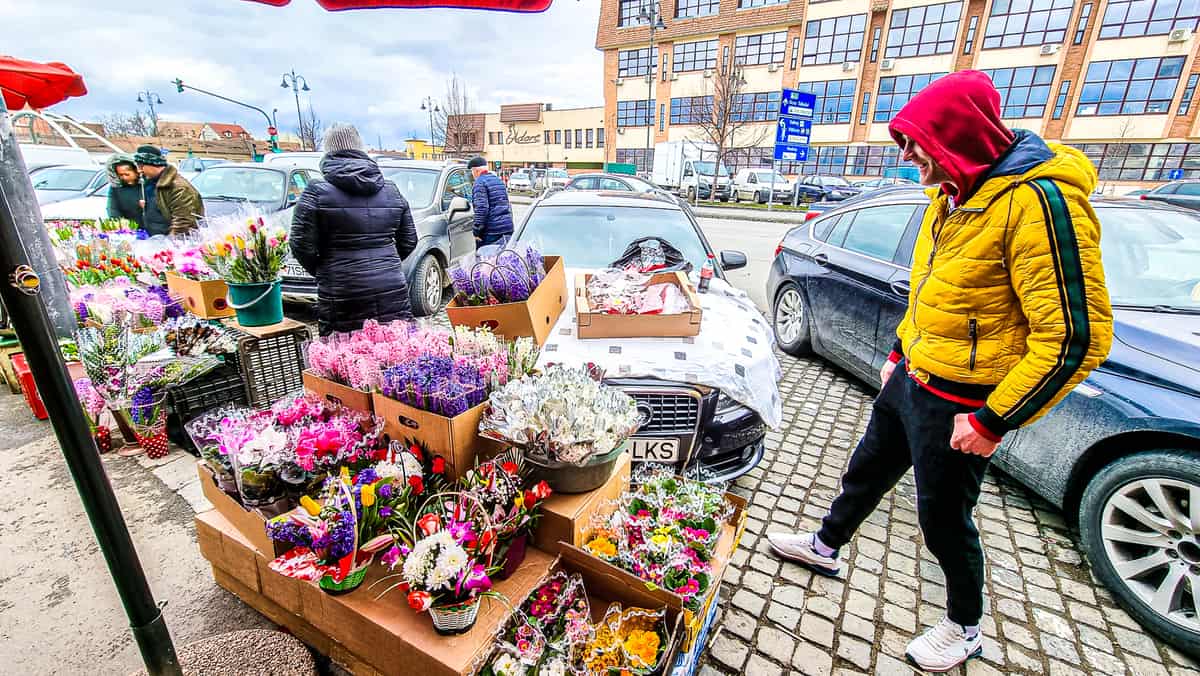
{"x": 206, "y": 299}
{"x": 533, "y": 318}
{"x": 338, "y": 393}
{"x": 382, "y": 633}
{"x": 249, "y": 522}
{"x": 565, "y": 518}
{"x": 601, "y": 325}
{"x": 457, "y": 439}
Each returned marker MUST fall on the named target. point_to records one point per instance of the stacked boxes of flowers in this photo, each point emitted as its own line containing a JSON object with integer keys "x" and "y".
{"x": 515, "y": 290}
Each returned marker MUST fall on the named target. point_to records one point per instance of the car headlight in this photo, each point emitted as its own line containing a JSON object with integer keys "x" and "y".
{"x": 726, "y": 403}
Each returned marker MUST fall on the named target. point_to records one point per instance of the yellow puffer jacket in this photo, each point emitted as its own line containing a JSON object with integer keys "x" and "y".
{"x": 1008, "y": 288}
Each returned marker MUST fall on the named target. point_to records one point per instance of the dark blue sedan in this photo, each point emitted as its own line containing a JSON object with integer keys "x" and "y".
{"x": 1121, "y": 454}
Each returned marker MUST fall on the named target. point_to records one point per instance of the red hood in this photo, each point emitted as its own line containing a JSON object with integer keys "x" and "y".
{"x": 956, "y": 119}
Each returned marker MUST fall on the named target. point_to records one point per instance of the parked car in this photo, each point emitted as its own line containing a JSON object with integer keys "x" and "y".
{"x": 40, "y": 155}
{"x": 1121, "y": 454}
{"x": 520, "y": 180}
{"x": 613, "y": 182}
{"x": 92, "y": 206}
{"x": 557, "y": 178}
{"x": 760, "y": 185}
{"x": 271, "y": 189}
{"x": 191, "y": 167}
{"x": 1180, "y": 193}
{"x": 882, "y": 182}
{"x": 439, "y": 194}
{"x": 55, "y": 184}
{"x": 712, "y": 432}
{"x": 304, "y": 159}
{"x": 824, "y": 188}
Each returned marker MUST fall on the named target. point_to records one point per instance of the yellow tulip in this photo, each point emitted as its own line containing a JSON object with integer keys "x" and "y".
{"x": 346, "y": 475}
{"x": 311, "y": 506}
{"x": 519, "y": 501}
{"x": 368, "y": 495}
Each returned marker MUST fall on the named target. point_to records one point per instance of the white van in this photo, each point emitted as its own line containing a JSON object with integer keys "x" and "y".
{"x": 761, "y": 185}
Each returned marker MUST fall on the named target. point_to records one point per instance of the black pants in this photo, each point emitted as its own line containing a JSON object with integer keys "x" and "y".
{"x": 911, "y": 427}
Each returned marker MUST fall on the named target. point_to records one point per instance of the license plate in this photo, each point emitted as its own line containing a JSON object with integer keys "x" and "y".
{"x": 654, "y": 450}
{"x": 294, "y": 270}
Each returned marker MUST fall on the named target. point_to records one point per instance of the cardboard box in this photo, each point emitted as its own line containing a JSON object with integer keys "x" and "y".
{"x": 533, "y": 318}
{"x": 601, "y": 325}
{"x": 383, "y": 633}
{"x": 248, "y": 521}
{"x": 566, "y": 518}
{"x": 457, "y": 439}
{"x": 338, "y": 393}
{"x": 208, "y": 299}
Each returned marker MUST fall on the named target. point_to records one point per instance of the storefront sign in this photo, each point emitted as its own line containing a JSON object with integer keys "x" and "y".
{"x": 520, "y": 137}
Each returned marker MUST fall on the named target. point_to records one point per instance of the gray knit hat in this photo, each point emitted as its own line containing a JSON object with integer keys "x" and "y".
{"x": 342, "y": 137}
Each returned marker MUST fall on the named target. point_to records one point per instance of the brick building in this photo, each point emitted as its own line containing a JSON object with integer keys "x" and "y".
{"x": 1117, "y": 78}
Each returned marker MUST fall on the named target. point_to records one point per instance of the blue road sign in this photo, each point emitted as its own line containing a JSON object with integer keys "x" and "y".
{"x": 795, "y": 103}
{"x": 791, "y": 153}
{"x": 1174, "y": 174}
{"x": 793, "y": 131}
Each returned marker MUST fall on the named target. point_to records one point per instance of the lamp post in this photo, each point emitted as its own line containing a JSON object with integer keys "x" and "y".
{"x": 151, "y": 99}
{"x": 654, "y": 18}
{"x": 292, "y": 80}
{"x": 430, "y": 105}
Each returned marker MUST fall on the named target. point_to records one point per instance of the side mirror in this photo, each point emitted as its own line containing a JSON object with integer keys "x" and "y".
{"x": 687, "y": 172}
{"x": 458, "y": 205}
{"x": 733, "y": 260}
{"x": 292, "y": 198}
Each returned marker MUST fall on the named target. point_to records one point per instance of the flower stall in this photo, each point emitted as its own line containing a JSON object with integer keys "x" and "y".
{"x": 515, "y": 291}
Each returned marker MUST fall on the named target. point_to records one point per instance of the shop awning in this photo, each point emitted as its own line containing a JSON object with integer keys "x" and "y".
{"x": 495, "y": 5}
{"x": 38, "y": 85}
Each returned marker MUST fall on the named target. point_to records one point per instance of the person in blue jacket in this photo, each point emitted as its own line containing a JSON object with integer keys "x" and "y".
{"x": 493, "y": 213}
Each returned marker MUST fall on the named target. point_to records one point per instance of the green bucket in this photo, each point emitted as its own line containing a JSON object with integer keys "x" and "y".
{"x": 258, "y": 304}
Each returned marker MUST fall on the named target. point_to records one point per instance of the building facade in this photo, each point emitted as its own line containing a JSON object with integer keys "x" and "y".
{"x": 1116, "y": 78}
{"x": 539, "y": 135}
{"x": 420, "y": 149}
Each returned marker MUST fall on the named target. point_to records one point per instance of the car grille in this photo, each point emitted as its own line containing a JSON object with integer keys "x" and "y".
{"x": 674, "y": 413}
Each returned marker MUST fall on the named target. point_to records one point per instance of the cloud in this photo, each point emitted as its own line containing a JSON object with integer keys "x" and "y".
{"x": 371, "y": 68}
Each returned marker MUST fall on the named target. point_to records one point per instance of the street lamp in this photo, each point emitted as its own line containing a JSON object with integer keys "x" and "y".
{"x": 430, "y": 105}
{"x": 654, "y": 18}
{"x": 292, "y": 80}
{"x": 151, "y": 99}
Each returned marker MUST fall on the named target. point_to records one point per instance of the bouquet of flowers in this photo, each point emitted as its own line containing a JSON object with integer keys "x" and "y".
{"x": 190, "y": 263}
{"x": 509, "y": 276}
{"x": 191, "y": 336}
{"x": 252, "y": 255}
{"x": 435, "y": 384}
{"x": 514, "y": 509}
{"x": 561, "y": 416}
{"x": 93, "y": 407}
{"x": 205, "y": 432}
{"x": 630, "y": 640}
{"x": 258, "y": 452}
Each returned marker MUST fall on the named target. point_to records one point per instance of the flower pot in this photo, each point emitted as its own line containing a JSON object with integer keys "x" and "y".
{"x": 511, "y": 556}
{"x": 103, "y": 437}
{"x": 570, "y": 478}
{"x": 153, "y": 438}
{"x": 258, "y": 304}
{"x": 258, "y": 487}
{"x": 348, "y": 584}
{"x": 455, "y": 619}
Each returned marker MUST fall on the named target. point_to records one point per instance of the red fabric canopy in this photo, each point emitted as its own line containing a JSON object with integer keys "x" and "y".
{"x": 501, "y": 5}
{"x": 38, "y": 84}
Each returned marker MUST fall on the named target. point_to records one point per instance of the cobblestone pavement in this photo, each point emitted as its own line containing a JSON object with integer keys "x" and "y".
{"x": 1044, "y": 613}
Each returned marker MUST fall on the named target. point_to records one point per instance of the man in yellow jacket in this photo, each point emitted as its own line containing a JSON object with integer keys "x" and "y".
{"x": 1007, "y": 313}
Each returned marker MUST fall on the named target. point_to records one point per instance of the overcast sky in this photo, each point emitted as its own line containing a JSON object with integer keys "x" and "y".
{"x": 369, "y": 67}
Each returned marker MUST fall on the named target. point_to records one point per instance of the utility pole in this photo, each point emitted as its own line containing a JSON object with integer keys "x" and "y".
{"x": 151, "y": 99}
{"x": 654, "y": 18}
{"x": 272, "y": 128}
{"x": 430, "y": 105}
{"x": 292, "y": 80}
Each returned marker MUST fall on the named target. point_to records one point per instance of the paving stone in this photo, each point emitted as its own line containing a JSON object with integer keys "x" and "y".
{"x": 1077, "y": 591}
{"x": 860, "y": 604}
{"x": 854, "y": 651}
{"x": 1059, "y": 669}
{"x": 1087, "y": 614}
{"x": 1047, "y": 621}
{"x": 741, "y": 624}
{"x": 708, "y": 670}
{"x": 757, "y": 582}
{"x": 1046, "y": 598}
{"x": 1144, "y": 667}
{"x": 1011, "y": 608}
{"x": 981, "y": 668}
{"x": 766, "y": 563}
{"x": 816, "y": 629}
{"x": 760, "y": 665}
{"x": 1104, "y": 662}
{"x": 784, "y": 616}
{"x": 748, "y": 602}
{"x": 1094, "y": 638}
{"x": 899, "y": 617}
{"x": 1024, "y": 660}
{"x": 1136, "y": 642}
{"x": 812, "y": 660}
{"x": 1061, "y": 648}
{"x": 775, "y": 644}
{"x": 729, "y": 651}
{"x": 857, "y": 626}
{"x": 864, "y": 581}
{"x": 1019, "y": 635}
{"x": 886, "y": 665}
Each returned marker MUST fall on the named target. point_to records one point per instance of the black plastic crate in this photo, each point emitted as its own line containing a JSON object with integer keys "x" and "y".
{"x": 273, "y": 366}
{"x": 220, "y": 387}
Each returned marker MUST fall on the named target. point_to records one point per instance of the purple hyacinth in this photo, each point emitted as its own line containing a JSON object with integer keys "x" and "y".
{"x": 461, "y": 281}
{"x": 289, "y": 532}
{"x": 366, "y": 476}
{"x": 143, "y": 406}
{"x": 81, "y": 310}
{"x": 341, "y": 536}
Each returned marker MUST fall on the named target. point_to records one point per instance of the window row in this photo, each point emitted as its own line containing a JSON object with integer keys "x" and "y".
{"x": 1018, "y": 23}
{"x": 835, "y": 100}
{"x": 1024, "y": 91}
{"x": 1130, "y": 86}
{"x": 689, "y": 56}
{"x": 644, "y": 159}
{"x": 635, "y": 113}
{"x": 923, "y": 31}
{"x": 757, "y": 50}
{"x": 1143, "y": 161}
{"x": 834, "y": 40}
{"x": 1130, "y": 18}
{"x": 636, "y": 62}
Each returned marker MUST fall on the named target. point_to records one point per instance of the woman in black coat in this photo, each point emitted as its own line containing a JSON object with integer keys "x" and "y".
{"x": 351, "y": 231}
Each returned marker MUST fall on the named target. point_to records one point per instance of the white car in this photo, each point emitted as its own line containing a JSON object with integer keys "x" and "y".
{"x": 94, "y": 206}
{"x": 761, "y": 185}
{"x": 558, "y": 178}
{"x": 520, "y": 180}
{"x": 55, "y": 184}
{"x": 191, "y": 167}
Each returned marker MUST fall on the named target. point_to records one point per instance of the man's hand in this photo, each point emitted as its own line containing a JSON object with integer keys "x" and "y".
{"x": 886, "y": 372}
{"x": 967, "y": 440}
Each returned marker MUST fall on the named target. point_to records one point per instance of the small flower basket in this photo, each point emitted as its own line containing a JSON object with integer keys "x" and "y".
{"x": 455, "y": 619}
{"x": 331, "y": 584}
{"x": 148, "y": 418}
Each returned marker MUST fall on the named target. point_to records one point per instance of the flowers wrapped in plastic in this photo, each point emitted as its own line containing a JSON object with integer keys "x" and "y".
{"x": 510, "y": 275}
{"x": 628, "y": 292}
{"x": 192, "y": 336}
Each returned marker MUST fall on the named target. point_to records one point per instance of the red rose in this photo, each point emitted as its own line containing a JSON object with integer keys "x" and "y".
{"x": 542, "y": 490}
{"x": 429, "y": 524}
{"x": 418, "y": 486}
{"x": 419, "y": 601}
{"x": 439, "y": 465}
{"x": 486, "y": 539}
{"x": 416, "y": 450}
{"x": 530, "y": 500}
{"x": 510, "y": 467}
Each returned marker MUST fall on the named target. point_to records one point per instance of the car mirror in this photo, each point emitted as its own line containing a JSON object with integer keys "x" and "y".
{"x": 733, "y": 260}
{"x": 458, "y": 205}
{"x": 292, "y": 198}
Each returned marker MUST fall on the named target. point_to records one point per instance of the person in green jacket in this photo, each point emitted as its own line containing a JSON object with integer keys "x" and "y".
{"x": 125, "y": 196}
{"x": 173, "y": 206}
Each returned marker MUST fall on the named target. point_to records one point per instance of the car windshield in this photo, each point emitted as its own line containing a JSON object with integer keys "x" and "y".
{"x": 60, "y": 178}
{"x": 241, "y": 183}
{"x": 1151, "y": 257}
{"x": 765, "y": 176}
{"x": 837, "y": 181}
{"x": 557, "y": 173}
{"x": 595, "y": 236}
{"x": 706, "y": 169}
{"x": 417, "y": 185}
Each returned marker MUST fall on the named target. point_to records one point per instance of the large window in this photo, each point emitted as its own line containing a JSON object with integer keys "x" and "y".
{"x": 1023, "y": 91}
{"x": 635, "y": 113}
{"x": 1129, "y": 18}
{"x": 834, "y": 40}
{"x": 629, "y": 12}
{"x": 639, "y": 156}
{"x": 896, "y": 91}
{"x": 922, "y": 31}
{"x": 694, "y": 56}
{"x": 1017, "y": 23}
{"x": 1143, "y": 161}
{"x": 835, "y": 100}
{"x": 691, "y": 109}
{"x": 635, "y": 62}
{"x": 1130, "y": 86}
{"x": 686, "y": 8}
{"x": 757, "y": 50}
{"x": 758, "y": 107}
{"x": 1189, "y": 92}
{"x": 746, "y": 4}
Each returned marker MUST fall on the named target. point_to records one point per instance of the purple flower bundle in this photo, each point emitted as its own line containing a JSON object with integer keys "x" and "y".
{"x": 508, "y": 277}
{"x": 146, "y": 408}
{"x": 359, "y": 358}
{"x": 440, "y": 385}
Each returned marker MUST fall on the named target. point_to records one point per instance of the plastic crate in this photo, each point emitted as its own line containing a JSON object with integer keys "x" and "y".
{"x": 25, "y": 376}
{"x": 273, "y": 365}
{"x": 223, "y": 385}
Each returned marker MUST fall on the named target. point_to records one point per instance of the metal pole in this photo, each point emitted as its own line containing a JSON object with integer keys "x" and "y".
{"x": 180, "y": 86}
{"x": 771, "y": 190}
{"x": 153, "y": 117}
{"x": 24, "y": 242}
{"x": 299, "y": 117}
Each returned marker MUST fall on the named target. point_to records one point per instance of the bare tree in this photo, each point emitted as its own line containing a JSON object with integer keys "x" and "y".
{"x": 1116, "y": 153}
{"x": 127, "y": 124}
{"x": 728, "y": 120}
{"x": 311, "y": 130}
{"x": 450, "y": 123}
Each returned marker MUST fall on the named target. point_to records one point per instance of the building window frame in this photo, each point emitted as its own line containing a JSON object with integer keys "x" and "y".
{"x": 578, "y": 139}
{"x": 1060, "y": 102}
{"x": 637, "y": 113}
{"x": 629, "y": 13}
{"x": 834, "y": 40}
{"x": 1142, "y": 161}
{"x": 1103, "y": 79}
{"x": 1024, "y": 90}
{"x": 567, "y": 139}
{"x": 557, "y": 137}
{"x": 972, "y": 27}
{"x": 755, "y": 4}
{"x": 795, "y": 52}
{"x": 662, "y": 116}
{"x": 689, "y": 9}
{"x": 756, "y": 107}
{"x": 899, "y": 90}
{"x": 589, "y": 137}
{"x": 599, "y": 137}
{"x": 866, "y": 108}
{"x": 1039, "y": 22}
{"x": 692, "y": 56}
{"x": 923, "y": 37}
{"x": 637, "y": 62}
{"x": 1159, "y": 18}
{"x": 1189, "y": 94}
{"x": 876, "y": 33}
{"x": 724, "y": 59}
{"x": 691, "y": 109}
{"x": 837, "y": 108}
{"x": 642, "y": 158}
{"x": 760, "y": 49}
{"x": 1085, "y": 14}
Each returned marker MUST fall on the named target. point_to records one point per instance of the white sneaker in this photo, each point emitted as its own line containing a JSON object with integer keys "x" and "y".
{"x": 945, "y": 646}
{"x": 798, "y": 547}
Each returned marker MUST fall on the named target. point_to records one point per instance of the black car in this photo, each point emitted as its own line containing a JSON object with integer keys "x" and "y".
{"x": 1121, "y": 454}
{"x": 1180, "y": 193}
{"x": 824, "y": 188}
{"x": 711, "y": 433}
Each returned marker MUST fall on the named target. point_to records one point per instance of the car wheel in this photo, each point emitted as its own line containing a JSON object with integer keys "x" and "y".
{"x": 426, "y": 286}
{"x": 1138, "y": 524}
{"x": 760, "y": 197}
{"x": 790, "y": 321}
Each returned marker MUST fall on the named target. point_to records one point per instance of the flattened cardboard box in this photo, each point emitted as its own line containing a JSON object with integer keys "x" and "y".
{"x": 337, "y": 393}
{"x": 249, "y": 522}
{"x": 457, "y": 439}
{"x": 533, "y": 318}
{"x": 383, "y": 632}
{"x": 565, "y": 518}
{"x": 602, "y": 325}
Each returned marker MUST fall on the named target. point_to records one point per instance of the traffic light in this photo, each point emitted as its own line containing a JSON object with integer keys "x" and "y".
{"x": 178, "y": 85}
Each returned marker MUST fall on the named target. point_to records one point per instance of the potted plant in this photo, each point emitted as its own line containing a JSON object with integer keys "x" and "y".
{"x": 249, "y": 261}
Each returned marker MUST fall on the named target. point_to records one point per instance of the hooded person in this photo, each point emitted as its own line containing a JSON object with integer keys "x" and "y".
{"x": 1007, "y": 313}
{"x": 173, "y": 206}
{"x": 125, "y": 197}
{"x": 351, "y": 232}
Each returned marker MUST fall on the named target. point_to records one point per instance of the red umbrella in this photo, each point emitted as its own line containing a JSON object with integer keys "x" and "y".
{"x": 38, "y": 84}
{"x": 502, "y": 5}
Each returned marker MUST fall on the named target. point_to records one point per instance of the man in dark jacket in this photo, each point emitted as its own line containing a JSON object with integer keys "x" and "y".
{"x": 493, "y": 213}
{"x": 173, "y": 206}
{"x": 125, "y": 197}
{"x": 351, "y": 232}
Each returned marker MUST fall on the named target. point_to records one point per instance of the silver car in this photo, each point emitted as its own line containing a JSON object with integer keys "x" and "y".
{"x": 55, "y": 184}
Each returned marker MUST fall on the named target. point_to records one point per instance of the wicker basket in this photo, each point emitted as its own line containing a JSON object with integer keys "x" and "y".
{"x": 455, "y": 619}
{"x": 349, "y": 583}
